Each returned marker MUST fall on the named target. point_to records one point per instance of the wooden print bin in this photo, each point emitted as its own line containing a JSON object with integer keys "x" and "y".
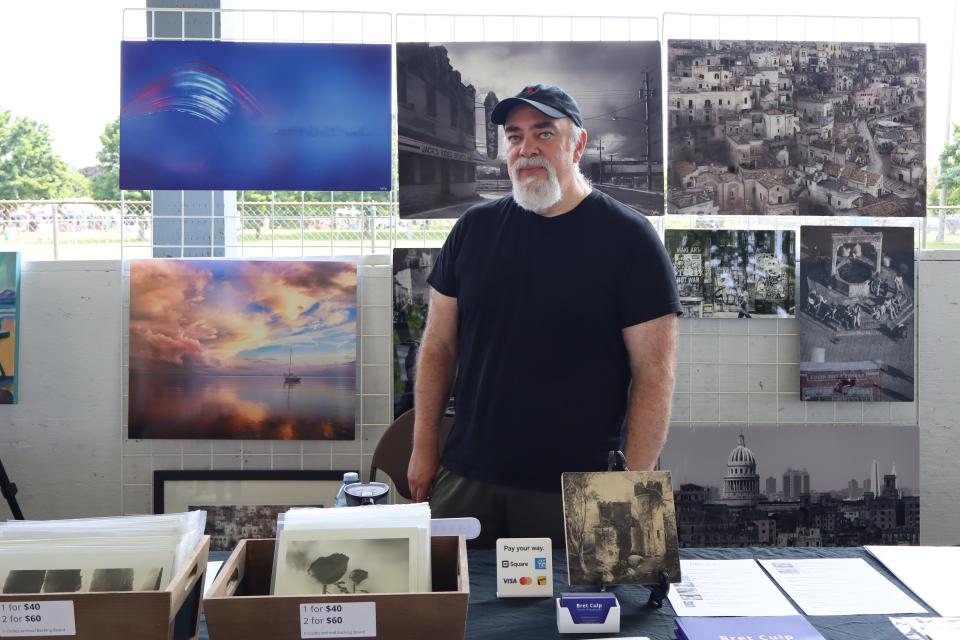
{"x": 171, "y": 614}
{"x": 239, "y": 607}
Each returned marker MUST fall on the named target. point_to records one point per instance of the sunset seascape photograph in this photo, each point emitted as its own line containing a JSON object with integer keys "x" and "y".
{"x": 253, "y": 350}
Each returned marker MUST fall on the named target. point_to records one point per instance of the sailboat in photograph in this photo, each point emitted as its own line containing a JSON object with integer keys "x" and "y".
{"x": 290, "y": 377}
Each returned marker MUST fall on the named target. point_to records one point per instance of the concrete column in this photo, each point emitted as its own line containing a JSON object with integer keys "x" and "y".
{"x": 190, "y": 224}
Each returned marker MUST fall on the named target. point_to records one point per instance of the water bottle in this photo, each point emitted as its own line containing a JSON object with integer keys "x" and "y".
{"x": 348, "y": 478}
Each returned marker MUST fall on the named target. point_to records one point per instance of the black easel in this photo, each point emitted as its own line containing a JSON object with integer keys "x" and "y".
{"x": 9, "y": 491}
{"x": 616, "y": 461}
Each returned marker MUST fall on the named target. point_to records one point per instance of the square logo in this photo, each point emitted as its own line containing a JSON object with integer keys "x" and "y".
{"x": 541, "y": 581}
{"x": 505, "y": 564}
{"x": 540, "y": 563}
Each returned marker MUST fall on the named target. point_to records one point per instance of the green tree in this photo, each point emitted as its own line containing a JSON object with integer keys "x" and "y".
{"x": 29, "y": 167}
{"x": 948, "y": 172}
{"x": 106, "y": 184}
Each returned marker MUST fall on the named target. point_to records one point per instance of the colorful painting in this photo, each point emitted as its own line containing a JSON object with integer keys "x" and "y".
{"x": 451, "y": 156}
{"x": 734, "y": 274}
{"x": 857, "y": 320}
{"x": 797, "y": 128}
{"x": 9, "y": 326}
{"x": 255, "y": 115}
{"x": 233, "y": 349}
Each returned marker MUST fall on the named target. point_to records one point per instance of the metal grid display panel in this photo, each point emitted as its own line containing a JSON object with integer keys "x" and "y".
{"x": 729, "y": 371}
{"x": 355, "y": 226}
{"x": 747, "y": 371}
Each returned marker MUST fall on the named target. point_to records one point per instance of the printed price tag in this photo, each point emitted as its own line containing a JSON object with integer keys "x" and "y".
{"x": 36, "y": 619}
{"x": 338, "y": 620}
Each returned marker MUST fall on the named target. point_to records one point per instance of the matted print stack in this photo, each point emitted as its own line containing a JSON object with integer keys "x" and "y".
{"x": 734, "y": 274}
{"x": 242, "y": 349}
{"x": 796, "y": 128}
{"x": 812, "y": 485}
{"x": 856, "y": 315}
{"x": 451, "y": 156}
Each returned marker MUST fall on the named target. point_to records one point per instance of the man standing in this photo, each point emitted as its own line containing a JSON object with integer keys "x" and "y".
{"x": 555, "y": 310}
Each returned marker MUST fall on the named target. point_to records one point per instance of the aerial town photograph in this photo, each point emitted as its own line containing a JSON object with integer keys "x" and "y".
{"x": 796, "y": 128}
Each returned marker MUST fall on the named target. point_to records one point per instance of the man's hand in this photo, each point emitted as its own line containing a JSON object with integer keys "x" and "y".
{"x": 424, "y": 462}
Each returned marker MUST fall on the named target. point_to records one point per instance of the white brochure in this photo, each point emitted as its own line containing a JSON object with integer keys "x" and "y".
{"x": 839, "y": 587}
{"x": 727, "y": 588}
{"x": 930, "y": 572}
{"x": 524, "y": 568}
{"x": 928, "y": 628}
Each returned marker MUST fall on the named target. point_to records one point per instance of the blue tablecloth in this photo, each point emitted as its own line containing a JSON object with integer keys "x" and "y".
{"x": 490, "y": 618}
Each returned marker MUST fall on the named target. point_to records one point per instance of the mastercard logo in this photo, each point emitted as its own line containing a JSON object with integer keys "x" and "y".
{"x": 526, "y": 580}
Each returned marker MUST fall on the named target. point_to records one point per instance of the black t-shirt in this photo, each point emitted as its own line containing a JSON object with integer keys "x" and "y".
{"x": 543, "y": 370}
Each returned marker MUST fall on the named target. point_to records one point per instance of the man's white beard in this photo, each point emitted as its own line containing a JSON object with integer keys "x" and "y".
{"x": 534, "y": 193}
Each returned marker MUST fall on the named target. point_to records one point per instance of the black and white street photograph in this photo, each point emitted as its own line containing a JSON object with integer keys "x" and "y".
{"x": 411, "y": 301}
{"x": 813, "y": 485}
{"x": 734, "y": 274}
{"x": 857, "y": 320}
{"x": 620, "y": 527}
{"x": 452, "y": 156}
{"x": 796, "y": 128}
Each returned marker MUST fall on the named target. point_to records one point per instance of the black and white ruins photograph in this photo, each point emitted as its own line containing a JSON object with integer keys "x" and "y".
{"x": 796, "y": 128}
{"x": 620, "y": 527}
{"x": 411, "y": 302}
{"x": 814, "y": 485}
{"x": 734, "y": 274}
{"x": 857, "y": 319}
{"x": 451, "y": 156}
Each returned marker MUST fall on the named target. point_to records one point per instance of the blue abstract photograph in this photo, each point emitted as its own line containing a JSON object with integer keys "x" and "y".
{"x": 264, "y": 116}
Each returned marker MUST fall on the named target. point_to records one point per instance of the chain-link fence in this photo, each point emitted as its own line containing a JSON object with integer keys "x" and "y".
{"x": 113, "y": 230}
{"x": 104, "y": 230}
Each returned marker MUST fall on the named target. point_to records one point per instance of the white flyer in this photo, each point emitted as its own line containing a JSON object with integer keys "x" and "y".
{"x": 839, "y": 587}
{"x": 930, "y": 572}
{"x": 524, "y": 568}
{"x": 928, "y": 628}
{"x": 727, "y": 588}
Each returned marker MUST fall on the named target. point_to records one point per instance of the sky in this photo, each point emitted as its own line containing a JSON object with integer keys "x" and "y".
{"x": 596, "y": 76}
{"x": 832, "y": 454}
{"x": 241, "y": 317}
{"x": 61, "y": 58}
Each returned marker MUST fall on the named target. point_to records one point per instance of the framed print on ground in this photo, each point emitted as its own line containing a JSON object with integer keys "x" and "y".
{"x": 242, "y": 504}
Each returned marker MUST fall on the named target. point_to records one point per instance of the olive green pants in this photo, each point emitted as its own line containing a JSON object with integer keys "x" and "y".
{"x": 503, "y": 512}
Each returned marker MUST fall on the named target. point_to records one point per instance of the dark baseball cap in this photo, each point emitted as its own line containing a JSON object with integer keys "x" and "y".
{"x": 546, "y": 98}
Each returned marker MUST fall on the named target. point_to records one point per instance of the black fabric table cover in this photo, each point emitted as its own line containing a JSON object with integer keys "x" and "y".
{"x": 490, "y": 618}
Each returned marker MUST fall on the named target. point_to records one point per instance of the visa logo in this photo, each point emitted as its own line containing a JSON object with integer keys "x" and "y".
{"x": 509, "y": 581}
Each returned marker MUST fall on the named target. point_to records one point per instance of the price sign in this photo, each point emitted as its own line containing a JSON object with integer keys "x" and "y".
{"x": 338, "y": 620}
{"x": 37, "y": 619}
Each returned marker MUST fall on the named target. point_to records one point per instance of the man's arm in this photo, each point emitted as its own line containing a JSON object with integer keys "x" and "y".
{"x": 436, "y": 367}
{"x": 652, "y": 347}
